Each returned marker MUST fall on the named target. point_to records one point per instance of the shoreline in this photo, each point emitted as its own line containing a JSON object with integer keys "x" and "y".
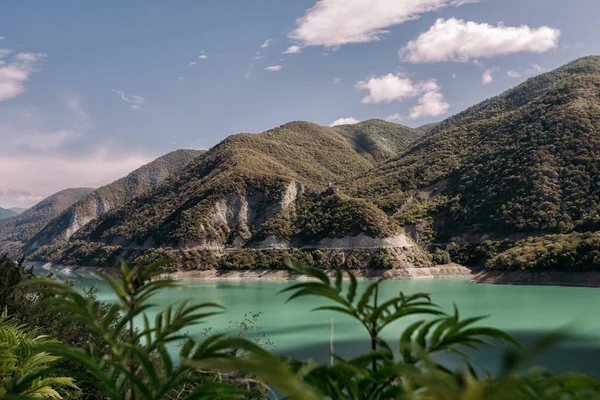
{"x": 449, "y": 271}
{"x": 539, "y": 278}
{"x": 440, "y": 271}
{"x": 443, "y": 271}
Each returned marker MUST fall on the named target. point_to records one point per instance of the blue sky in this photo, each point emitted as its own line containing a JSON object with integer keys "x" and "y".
{"x": 91, "y": 90}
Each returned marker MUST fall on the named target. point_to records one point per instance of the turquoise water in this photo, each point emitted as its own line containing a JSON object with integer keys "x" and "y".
{"x": 527, "y": 312}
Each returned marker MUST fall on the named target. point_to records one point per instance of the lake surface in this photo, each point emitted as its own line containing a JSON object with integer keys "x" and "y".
{"x": 527, "y": 312}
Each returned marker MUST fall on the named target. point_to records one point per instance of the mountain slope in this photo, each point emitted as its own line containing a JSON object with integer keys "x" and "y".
{"x": 256, "y": 187}
{"x": 111, "y": 196}
{"x": 15, "y": 231}
{"x": 18, "y": 210}
{"x": 6, "y": 213}
{"x": 525, "y": 161}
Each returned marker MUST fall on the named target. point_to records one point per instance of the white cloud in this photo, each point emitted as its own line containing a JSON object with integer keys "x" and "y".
{"x": 16, "y": 71}
{"x": 459, "y": 40}
{"x": 181, "y": 78}
{"x": 274, "y": 68}
{"x": 535, "y": 69}
{"x": 247, "y": 75}
{"x": 458, "y": 3}
{"x": 192, "y": 64}
{"x": 487, "y": 77}
{"x": 431, "y": 104}
{"x": 396, "y": 117}
{"x": 336, "y": 80}
{"x": 333, "y": 23}
{"x": 135, "y": 101}
{"x": 293, "y": 50}
{"x": 266, "y": 44}
{"x": 344, "y": 121}
{"x": 202, "y": 57}
{"x": 453, "y": 76}
{"x": 388, "y": 88}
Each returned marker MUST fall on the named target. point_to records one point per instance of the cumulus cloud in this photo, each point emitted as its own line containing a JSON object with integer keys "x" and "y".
{"x": 431, "y": 104}
{"x": 397, "y": 87}
{"x": 135, "y": 101}
{"x": 487, "y": 77}
{"x": 202, "y": 57}
{"x": 388, "y": 88}
{"x": 459, "y": 40}
{"x": 396, "y": 117}
{"x": 266, "y": 44}
{"x": 192, "y": 64}
{"x": 344, "y": 121}
{"x": 293, "y": 50}
{"x": 535, "y": 69}
{"x": 336, "y": 80}
{"x": 15, "y": 71}
{"x": 333, "y": 23}
{"x": 274, "y": 68}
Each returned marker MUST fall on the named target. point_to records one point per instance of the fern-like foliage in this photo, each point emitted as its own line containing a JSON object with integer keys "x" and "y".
{"x": 22, "y": 362}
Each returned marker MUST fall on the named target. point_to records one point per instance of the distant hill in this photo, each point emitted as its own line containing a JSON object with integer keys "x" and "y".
{"x": 241, "y": 189}
{"x": 106, "y": 198}
{"x": 7, "y": 213}
{"x": 15, "y": 231}
{"x": 18, "y": 210}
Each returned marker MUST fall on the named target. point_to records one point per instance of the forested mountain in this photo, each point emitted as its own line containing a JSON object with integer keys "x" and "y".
{"x": 111, "y": 196}
{"x": 523, "y": 163}
{"x": 253, "y": 186}
{"x": 15, "y": 231}
{"x": 6, "y": 213}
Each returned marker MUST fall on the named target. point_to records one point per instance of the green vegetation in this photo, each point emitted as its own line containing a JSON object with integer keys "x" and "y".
{"x": 575, "y": 252}
{"x": 17, "y": 230}
{"x": 138, "y": 365}
{"x": 21, "y": 360}
{"x": 264, "y": 173}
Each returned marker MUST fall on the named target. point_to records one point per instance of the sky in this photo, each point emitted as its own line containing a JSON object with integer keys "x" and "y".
{"x": 91, "y": 90}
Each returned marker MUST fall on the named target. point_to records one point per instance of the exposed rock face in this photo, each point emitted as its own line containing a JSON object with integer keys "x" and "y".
{"x": 363, "y": 241}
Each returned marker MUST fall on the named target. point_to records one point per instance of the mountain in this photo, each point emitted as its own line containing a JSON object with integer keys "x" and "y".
{"x": 276, "y": 189}
{"x": 15, "y": 231}
{"x": 6, "y": 213}
{"x": 106, "y": 198}
{"x": 523, "y": 163}
{"x": 18, "y": 210}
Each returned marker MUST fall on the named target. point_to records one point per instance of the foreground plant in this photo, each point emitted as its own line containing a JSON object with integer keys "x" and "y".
{"x": 140, "y": 366}
{"x": 22, "y": 364}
